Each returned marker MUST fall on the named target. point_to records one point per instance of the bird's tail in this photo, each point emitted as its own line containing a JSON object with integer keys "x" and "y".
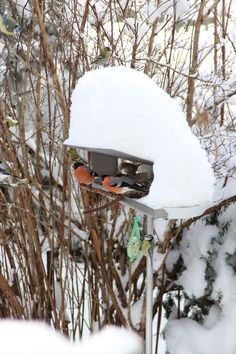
{"x": 139, "y": 187}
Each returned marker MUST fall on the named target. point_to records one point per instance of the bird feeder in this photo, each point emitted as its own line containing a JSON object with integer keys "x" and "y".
{"x": 100, "y": 101}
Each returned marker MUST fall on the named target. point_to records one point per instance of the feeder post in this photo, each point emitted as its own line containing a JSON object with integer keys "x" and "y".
{"x": 149, "y": 292}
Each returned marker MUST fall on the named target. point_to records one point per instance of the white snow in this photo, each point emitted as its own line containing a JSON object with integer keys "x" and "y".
{"x": 194, "y": 247}
{"x": 212, "y": 317}
{"x": 23, "y": 7}
{"x": 186, "y": 336}
{"x": 214, "y": 245}
{"x": 122, "y": 109}
{"x": 113, "y": 340}
{"x": 179, "y": 7}
{"x": 31, "y": 337}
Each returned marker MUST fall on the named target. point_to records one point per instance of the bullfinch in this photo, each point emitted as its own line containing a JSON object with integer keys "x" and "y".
{"x": 83, "y": 174}
{"x": 122, "y": 184}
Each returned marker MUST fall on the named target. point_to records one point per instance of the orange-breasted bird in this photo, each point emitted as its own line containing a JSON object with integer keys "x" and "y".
{"x": 84, "y": 174}
{"x": 122, "y": 184}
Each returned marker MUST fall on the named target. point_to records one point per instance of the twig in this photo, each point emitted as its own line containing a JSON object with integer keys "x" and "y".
{"x": 103, "y": 206}
{"x": 194, "y": 64}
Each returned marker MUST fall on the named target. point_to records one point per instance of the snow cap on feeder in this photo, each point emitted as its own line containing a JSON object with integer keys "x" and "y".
{"x": 119, "y": 110}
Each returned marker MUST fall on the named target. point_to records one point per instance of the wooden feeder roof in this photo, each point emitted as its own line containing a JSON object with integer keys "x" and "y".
{"x": 114, "y": 153}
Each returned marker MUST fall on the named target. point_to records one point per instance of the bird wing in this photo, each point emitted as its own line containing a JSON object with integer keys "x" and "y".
{"x": 3, "y": 27}
{"x": 124, "y": 181}
{"x": 10, "y": 24}
{"x": 115, "y": 182}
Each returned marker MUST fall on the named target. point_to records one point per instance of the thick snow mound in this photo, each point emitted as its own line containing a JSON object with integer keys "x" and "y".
{"x": 122, "y": 109}
{"x": 215, "y": 336}
{"x": 29, "y": 337}
{"x": 112, "y": 340}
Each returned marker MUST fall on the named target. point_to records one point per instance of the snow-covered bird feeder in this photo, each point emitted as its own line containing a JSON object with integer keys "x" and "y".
{"x": 118, "y": 112}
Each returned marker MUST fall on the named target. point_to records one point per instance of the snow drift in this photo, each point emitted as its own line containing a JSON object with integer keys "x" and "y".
{"x": 33, "y": 337}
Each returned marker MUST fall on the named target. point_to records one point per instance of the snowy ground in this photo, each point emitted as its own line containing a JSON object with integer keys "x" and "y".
{"x": 28, "y": 337}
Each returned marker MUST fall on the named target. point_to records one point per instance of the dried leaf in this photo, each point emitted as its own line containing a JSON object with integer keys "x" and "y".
{"x": 202, "y": 120}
